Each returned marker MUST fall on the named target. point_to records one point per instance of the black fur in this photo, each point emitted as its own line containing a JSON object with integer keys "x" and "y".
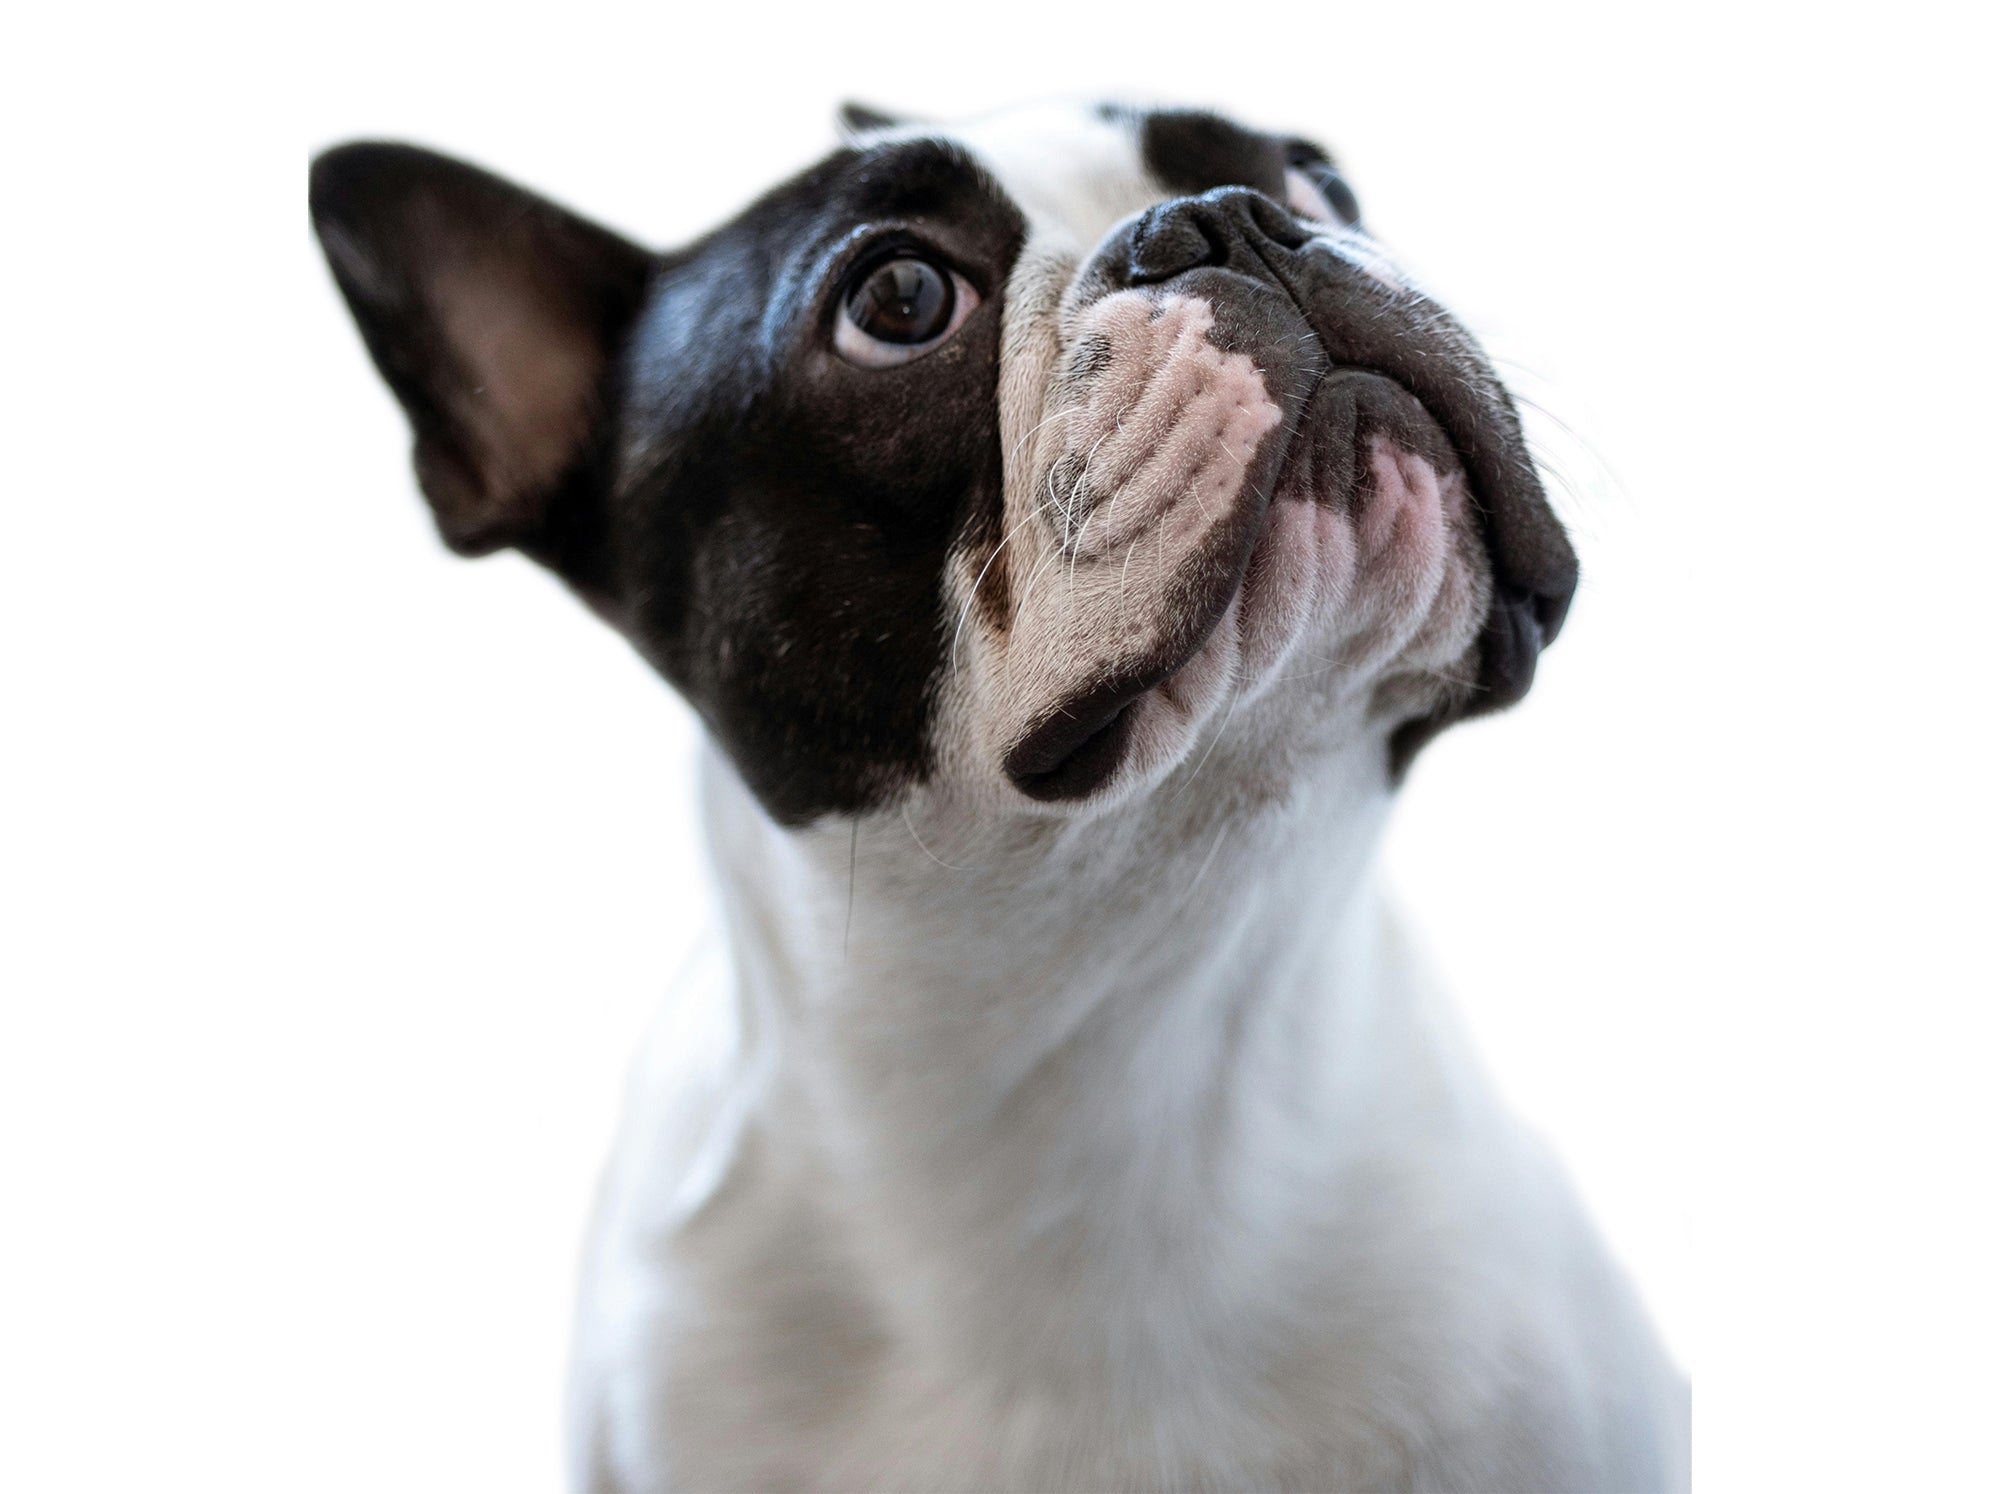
{"x": 1191, "y": 151}
{"x": 857, "y": 118}
{"x": 785, "y": 516}
{"x": 766, "y": 522}
{"x": 410, "y": 236}
{"x": 1535, "y": 570}
{"x": 769, "y": 523}
{"x": 1324, "y": 332}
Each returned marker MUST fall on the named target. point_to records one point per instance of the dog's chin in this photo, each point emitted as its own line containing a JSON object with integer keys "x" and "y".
{"x": 1359, "y": 606}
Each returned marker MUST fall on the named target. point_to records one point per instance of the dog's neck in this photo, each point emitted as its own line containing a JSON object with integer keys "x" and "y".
{"x": 1041, "y": 1082}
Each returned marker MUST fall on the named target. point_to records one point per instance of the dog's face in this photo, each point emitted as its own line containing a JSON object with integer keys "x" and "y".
{"x": 1016, "y": 460}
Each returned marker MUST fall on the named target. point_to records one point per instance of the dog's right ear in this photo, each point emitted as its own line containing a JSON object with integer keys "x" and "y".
{"x": 493, "y": 315}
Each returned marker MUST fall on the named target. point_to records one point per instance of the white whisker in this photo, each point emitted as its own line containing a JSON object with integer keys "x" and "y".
{"x": 926, "y": 849}
{"x": 1234, "y": 696}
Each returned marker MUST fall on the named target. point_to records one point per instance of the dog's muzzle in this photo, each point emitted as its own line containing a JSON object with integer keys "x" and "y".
{"x": 1346, "y": 348}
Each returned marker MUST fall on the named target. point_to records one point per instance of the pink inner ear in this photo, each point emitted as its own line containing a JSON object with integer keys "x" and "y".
{"x": 530, "y": 370}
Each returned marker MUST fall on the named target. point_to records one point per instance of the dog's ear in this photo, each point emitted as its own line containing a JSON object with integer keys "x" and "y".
{"x": 492, "y": 314}
{"x": 859, "y": 119}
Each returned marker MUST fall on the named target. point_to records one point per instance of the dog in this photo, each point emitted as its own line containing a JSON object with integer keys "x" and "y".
{"x": 1068, "y": 525}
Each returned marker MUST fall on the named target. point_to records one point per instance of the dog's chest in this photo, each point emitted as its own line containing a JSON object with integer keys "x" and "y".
{"x": 750, "y": 1350}
{"x": 1226, "y": 1233}
{"x": 773, "y": 1370}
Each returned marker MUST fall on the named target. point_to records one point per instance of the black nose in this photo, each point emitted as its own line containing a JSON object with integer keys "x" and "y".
{"x": 1228, "y": 228}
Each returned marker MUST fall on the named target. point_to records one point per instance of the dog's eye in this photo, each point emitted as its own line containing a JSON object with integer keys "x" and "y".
{"x": 899, "y": 309}
{"x": 1315, "y": 189}
{"x": 905, "y": 301}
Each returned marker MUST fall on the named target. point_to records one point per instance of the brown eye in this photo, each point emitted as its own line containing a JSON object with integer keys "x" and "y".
{"x": 899, "y": 309}
{"x": 904, "y": 302}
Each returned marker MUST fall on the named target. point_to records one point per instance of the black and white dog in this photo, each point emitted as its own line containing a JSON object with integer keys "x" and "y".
{"x": 1068, "y": 526}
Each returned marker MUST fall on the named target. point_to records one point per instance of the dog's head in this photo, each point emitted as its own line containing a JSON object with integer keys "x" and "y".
{"x": 1019, "y": 460}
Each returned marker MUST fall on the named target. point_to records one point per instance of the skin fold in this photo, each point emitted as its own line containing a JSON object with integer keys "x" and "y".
{"x": 1060, "y": 1108}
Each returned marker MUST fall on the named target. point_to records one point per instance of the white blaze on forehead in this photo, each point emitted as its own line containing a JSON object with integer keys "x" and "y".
{"x": 1073, "y": 172}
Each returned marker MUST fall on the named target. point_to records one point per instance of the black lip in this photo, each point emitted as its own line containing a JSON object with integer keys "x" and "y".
{"x": 1358, "y": 329}
{"x": 1450, "y": 377}
{"x": 1072, "y": 754}
{"x": 1074, "y": 749}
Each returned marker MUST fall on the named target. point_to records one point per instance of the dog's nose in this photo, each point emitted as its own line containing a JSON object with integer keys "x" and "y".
{"x": 1227, "y": 228}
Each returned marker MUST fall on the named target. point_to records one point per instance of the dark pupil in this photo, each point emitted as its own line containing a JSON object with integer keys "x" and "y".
{"x": 905, "y": 300}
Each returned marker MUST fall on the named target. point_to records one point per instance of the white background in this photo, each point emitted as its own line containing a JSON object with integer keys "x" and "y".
{"x": 340, "y": 876}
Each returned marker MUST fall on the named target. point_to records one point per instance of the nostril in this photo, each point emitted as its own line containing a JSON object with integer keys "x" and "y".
{"x": 1191, "y": 232}
{"x": 1170, "y": 240}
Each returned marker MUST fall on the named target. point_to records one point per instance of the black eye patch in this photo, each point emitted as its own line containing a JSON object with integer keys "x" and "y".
{"x": 786, "y": 518}
{"x": 1326, "y": 177}
{"x": 1193, "y": 152}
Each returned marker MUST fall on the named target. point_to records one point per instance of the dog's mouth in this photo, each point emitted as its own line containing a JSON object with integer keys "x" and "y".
{"x": 1356, "y": 359}
{"x": 1078, "y": 745}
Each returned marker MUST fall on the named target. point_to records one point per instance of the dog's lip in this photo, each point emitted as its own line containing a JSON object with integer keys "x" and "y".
{"x": 1484, "y": 434}
{"x": 1075, "y": 747}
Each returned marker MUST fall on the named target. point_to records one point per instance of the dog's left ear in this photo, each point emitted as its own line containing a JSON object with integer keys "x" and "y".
{"x": 493, "y": 315}
{"x": 860, "y": 119}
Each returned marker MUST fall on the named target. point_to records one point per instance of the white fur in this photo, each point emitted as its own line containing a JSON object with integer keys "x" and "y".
{"x": 1113, "y": 1147}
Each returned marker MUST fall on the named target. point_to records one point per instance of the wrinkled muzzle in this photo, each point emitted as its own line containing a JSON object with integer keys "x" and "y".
{"x": 1253, "y": 432}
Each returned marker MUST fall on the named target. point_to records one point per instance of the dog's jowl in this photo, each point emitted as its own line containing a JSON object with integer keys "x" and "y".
{"x": 1069, "y": 527}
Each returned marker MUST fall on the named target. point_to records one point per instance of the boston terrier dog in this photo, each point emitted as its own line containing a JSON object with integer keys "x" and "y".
{"x": 1068, "y": 526}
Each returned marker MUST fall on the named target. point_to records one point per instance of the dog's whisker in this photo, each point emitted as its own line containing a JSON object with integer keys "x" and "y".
{"x": 926, "y": 849}
{"x": 972, "y": 596}
{"x": 853, "y": 854}
{"x": 1216, "y": 736}
{"x": 1082, "y": 485}
{"x": 1202, "y": 871}
{"x": 1069, "y": 1082}
{"x": 1014, "y": 453}
{"x": 1053, "y": 558}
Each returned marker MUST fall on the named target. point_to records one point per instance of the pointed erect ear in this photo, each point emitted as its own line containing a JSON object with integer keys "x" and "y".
{"x": 859, "y": 119}
{"x": 494, "y": 316}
